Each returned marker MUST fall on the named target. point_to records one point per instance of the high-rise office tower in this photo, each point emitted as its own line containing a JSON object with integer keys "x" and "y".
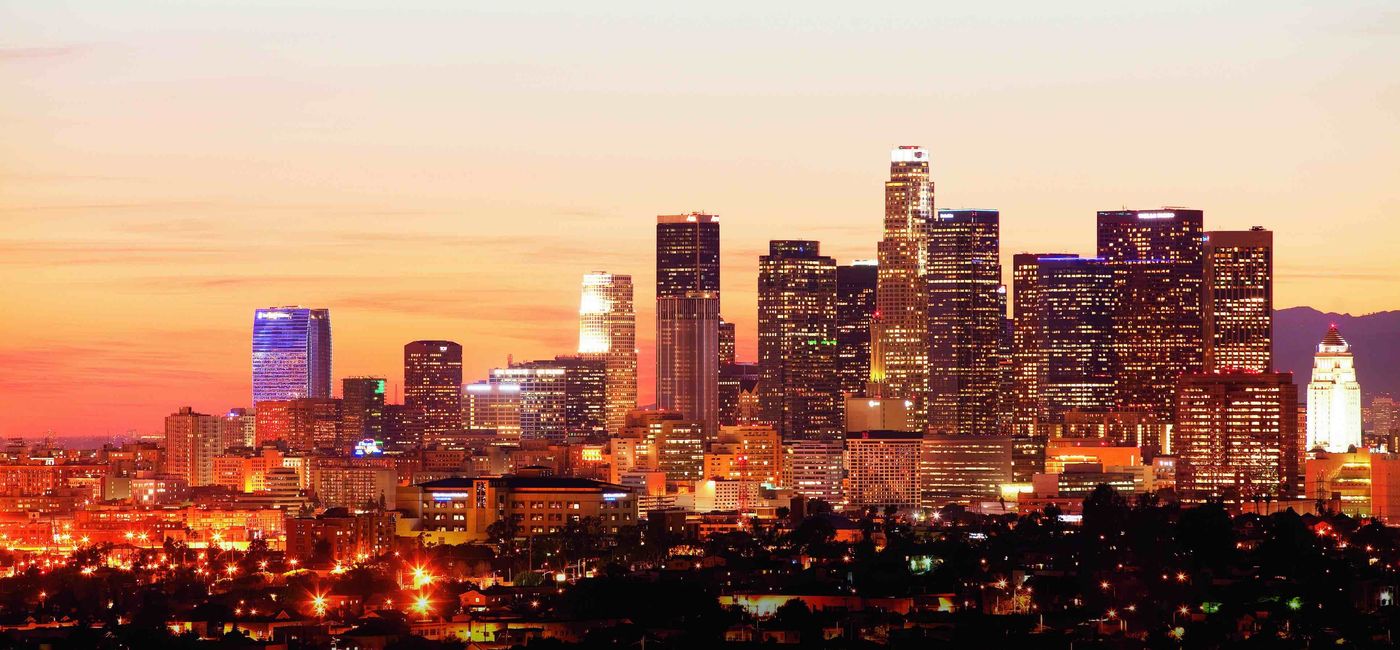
{"x": 1334, "y": 397}
{"x": 1236, "y": 435}
{"x": 493, "y": 406}
{"x": 291, "y": 353}
{"x": 561, "y": 399}
{"x": 687, "y": 317}
{"x": 432, "y": 390}
{"x": 192, "y": 440}
{"x": 1028, "y": 352}
{"x": 687, "y": 254}
{"x": 363, "y": 408}
{"x": 728, "y": 341}
{"x": 1006, "y": 379}
{"x": 899, "y": 346}
{"x": 964, "y": 322}
{"x": 687, "y": 357}
{"x": 855, "y": 307}
{"x": 1077, "y": 303}
{"x": 799, "y": 393}
{"x": 1156, "y": 256}
{"x": 608, "y": 331}
{"x": 1238, "y": 304}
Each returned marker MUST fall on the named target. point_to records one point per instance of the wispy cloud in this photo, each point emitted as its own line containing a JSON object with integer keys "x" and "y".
{"x": 8, "y": 54}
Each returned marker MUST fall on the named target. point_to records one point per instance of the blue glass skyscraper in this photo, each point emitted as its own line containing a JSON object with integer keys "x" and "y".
{"x": 291, "y": 353}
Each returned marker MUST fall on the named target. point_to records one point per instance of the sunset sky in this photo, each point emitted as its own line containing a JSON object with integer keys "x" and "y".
{"x": 451, "y": 169}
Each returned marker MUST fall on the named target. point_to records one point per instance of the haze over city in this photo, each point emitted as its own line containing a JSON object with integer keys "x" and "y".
{"x": 449, "y": 171}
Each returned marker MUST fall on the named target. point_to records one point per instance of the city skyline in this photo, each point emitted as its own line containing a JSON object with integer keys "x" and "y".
{"x": 138, "y": 238}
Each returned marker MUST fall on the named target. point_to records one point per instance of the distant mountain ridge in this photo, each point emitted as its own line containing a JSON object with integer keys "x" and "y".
{"x": 1374, "y": 339}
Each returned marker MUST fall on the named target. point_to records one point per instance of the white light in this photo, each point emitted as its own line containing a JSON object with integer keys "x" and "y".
{"x": 909, "y": 154}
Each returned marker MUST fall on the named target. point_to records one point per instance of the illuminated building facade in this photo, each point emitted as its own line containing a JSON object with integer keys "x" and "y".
{"x": 560, "y": 400}
{"x": 237, "y": 429}
{"x": 459, "y": 510}
{"x": 432, "y": 391}
{"x": 855, "y": 308}
{"x": 192, "y": 440}
{"x": 738, "y": 382}
{"x": 728, "y": 342}
{"x": 687, "y": 254}
{"x": 687, "y": 316}
{"x": 1238, "y": 304}
{"x": 291, "y": 353}
{"x": 1156, "y": 256}
{"x": 876, "y": 414}
{"x": 1363, "y": 483}
{"x": 1028, "y": 353}
{"x": 344, "y": 536}
{"x": 493, "y": 406}
{"x": 964, "y": 322}
{"x": 798, "y": 387}
{"x": 304, "y": 424}
{"x": 750, "y": 453}
{"x": 815, "y": 469}
{"x": 1334, "y": 397}
{"x": 359, "y": 483}
{"x": 1077, "y": 301}
{"x": 1235, "y": 436}
{"x": 964, "y": 469}
{"x": 883, "y": 469}
{"x": 899, "y": 346}
{"x": 608, "y": 331}
{"x": 687, "y": 357}
{"x": 363, "y": 408}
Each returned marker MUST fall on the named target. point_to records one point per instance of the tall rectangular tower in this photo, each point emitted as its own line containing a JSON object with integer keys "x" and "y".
{"x": 964, "y": 322}
{"x": 1238, "y": 303}
{"x": 855, "y": 309}
{"x": 608, "y": 331}
{"x": 1157, "y": 260}
{"x": 798, "y": 388}
{"x": 1078, "y": 300}
{"x": 192, "y": 440}
{"x": 687, "y": 254}
{"x": 291, "y": 353}
{"x": 432, "y": 390}
{"x": 687, "y": 357}
{"x": 363, "y": 408}
{"x": 899, "y": 350}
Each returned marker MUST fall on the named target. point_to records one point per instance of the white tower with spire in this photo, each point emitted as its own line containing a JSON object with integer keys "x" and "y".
{"x": 1334, "y": 397}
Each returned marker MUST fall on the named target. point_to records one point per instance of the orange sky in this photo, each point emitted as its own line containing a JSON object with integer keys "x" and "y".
{"x": 444, "y": 172}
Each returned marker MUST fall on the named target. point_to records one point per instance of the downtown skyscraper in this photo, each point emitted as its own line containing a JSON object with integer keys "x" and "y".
{"x": 432, "y": 391}
{"x": 1077, "y": 300}
{"x": 799, "y": 392}
{"x": 608, "y": 332}
{"x": 964, "y": 322}
{"x": 687, "y": 317}
{"x": 1238, "y": 304}
{"x": 363, "y": 408}
{"x": 291, "y": 353}
{"x": 1156, "y": 256}
{"x": 899, "y": 348}
{"x": 1334, "y": 397}
{"x": 1028, "y": 341}
{"x": 855, "y": 311}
